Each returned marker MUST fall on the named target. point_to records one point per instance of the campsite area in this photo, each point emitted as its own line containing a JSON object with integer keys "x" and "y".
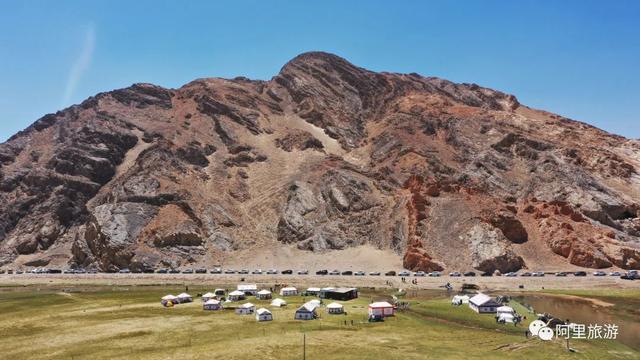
{"x": 100, "y": 321}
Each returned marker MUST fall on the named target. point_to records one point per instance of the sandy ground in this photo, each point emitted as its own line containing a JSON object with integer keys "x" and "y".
{"x": 485, "y": 283}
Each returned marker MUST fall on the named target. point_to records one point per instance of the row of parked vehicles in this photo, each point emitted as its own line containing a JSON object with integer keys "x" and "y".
{"x": 630, "y": 275}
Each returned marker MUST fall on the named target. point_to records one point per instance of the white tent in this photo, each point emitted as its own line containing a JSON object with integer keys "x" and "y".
{"x": 168, "y": 298}
{"x": 248, "y": 289}
{"x": 236, "y": 295}
{"x": 278, "y": 302}
{"x": 505, "y": 310}
{"x": 263, "y": 314}
{"x": 184, "y": 298}
{"x": 316, "y": 302}
{"x": 288, "y": 291}
{"x": 506, "y": 317}
{"x": 382, "y": 308}
{"x": 306, "y": 312}
{"x": 263, "y": 295}
{"x": 460, "y": 299}
{"x": 246, "y": 309}
{"x": 208, "y": 296}
{"x": 335, "y": 308}
{"x": 212, "y": 305}
{"x": 313, "y": 291}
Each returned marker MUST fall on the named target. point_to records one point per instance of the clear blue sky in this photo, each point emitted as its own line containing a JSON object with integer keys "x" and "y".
{"x": 577, "y": 58}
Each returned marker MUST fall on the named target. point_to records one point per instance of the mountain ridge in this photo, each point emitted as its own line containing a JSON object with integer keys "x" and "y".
{"x": 324, "y": 156}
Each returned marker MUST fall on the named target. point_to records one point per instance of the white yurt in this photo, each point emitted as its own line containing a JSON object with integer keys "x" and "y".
{"x": 246, "y": 309}
{"x": 263, "y": 314}
{"x": 212, "y": 304}
{"x": 168, "y": 299}
{"x": 236, "y": 295}
{"x": 185, "y": 298}
{"x": 335, "y": 308}
{"x": 263, "y": 295}
{"x": 278, "y": 302}
{"x": 208, "y": 296}
{"x": 288, "y": 291}
{"x": 460, "y": 299}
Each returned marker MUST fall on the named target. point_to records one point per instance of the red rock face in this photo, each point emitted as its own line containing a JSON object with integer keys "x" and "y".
{"x": 324, "y": 156}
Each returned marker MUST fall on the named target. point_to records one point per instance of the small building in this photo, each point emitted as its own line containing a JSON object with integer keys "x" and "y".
{"x": 169, "y": 300}
{"x": 248, "y": 289}
{"x": 246, "y": 309}
{"x": 483, "y": 304}
{"x": 263, "y": 314}
{"x": 236, "y": 295}
{"x": 460, "y": 299}
{"x": 263, "y": 295}
{"x": 335, "y": 308}
{"x": 342, "y": 294}
{"x": 184, "y": 298}
{"x": 212, "y": 304}
{"x": 306, "y": 312}
{"x": 381, "y": 309}
{"x": 208, "y": 296}
{"x": 288, "y": 291}
{"x": 313, "y": 291}
{"x": 278, "y": 302}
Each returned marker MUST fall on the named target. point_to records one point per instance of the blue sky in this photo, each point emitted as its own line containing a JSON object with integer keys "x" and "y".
{"x": 580, "y": 59}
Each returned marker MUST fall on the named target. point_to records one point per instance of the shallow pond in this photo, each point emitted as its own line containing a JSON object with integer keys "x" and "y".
{"x": 582, "y": 311}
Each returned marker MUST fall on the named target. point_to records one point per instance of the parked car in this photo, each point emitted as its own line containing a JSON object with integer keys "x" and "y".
{"x": 201, "y": 271}
{"x": 630, "y": 276}
{"x": 615, "y": 273}
{"x": 374, "y": 273}
{"x": 526, "y": 274}
{"x": 162, "y": 271}
{"x": 322, "y": 272}
{"x": 580, "y": 273}
{"x": 145, "y": 270}
{"x": 257, "y": 272}
{"x": 538, "y": 274}
{"x": 303, "y": 272}
{"x": 404, "y": 273}
{"x": 334, "y": 272}
{"x": 469, "y": 273}
{"x": 174, "y": 271}
{"x": 359, "y": 273}
{"x": 511, "y": 274}
{"x": 486, "y": 274}
{"x": 216, "y": 271}
{"x": 455, "y": 274}
{"x": 243, "y": 271}
{"x": 229, "y": 271}
{"x": 124, "y": 271}
{"x": 561, "y": 273}
{"x": 390, "y": 273}
{"x": 187, "y": 271}
{"x": 272, "y": 272}
{"x": 347, "y": 273}
{"x": 599, "y": 273}
{"x": 286, "y": 272}
{"x": 55, "y": 271}
{"x": 435, "y": 274}
{"x": 420, "y": 274}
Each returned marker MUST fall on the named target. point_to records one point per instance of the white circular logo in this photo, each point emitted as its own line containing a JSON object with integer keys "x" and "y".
{"x": 545, "y": 333}
{"x": 535, "y": 327}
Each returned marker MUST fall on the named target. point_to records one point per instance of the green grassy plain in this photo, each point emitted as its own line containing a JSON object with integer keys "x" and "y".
{"x": 129, "y": 323}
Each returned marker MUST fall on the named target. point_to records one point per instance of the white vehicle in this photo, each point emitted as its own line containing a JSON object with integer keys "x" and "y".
{"x": 334, "y": 272}
{"x": 404, "y": 273}
{"x": 359, "y": 273}
{"x": 511, "y": 274}
{"x": 257, "y": 271}
{"x": 538, "y": 274}
{"x": 420, "y": 274}
{"x": 615, "y": 273}
{"x": 229, "y": 271}
{"x": 374, "y": 273}
{"x": 435, "y": 274}
{"x": 599, "y": 273}
{"x": 243, "y": 271}
{"x": 272, "y": 271}
{"x": 455, "y": 274}
{"x": 303, "y": 272}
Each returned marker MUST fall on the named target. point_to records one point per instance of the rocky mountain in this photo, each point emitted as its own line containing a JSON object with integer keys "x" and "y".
{"x": 324, "y": 156}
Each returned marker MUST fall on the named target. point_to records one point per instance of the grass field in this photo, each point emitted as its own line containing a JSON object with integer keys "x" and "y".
{"x": 129, "y": 323}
